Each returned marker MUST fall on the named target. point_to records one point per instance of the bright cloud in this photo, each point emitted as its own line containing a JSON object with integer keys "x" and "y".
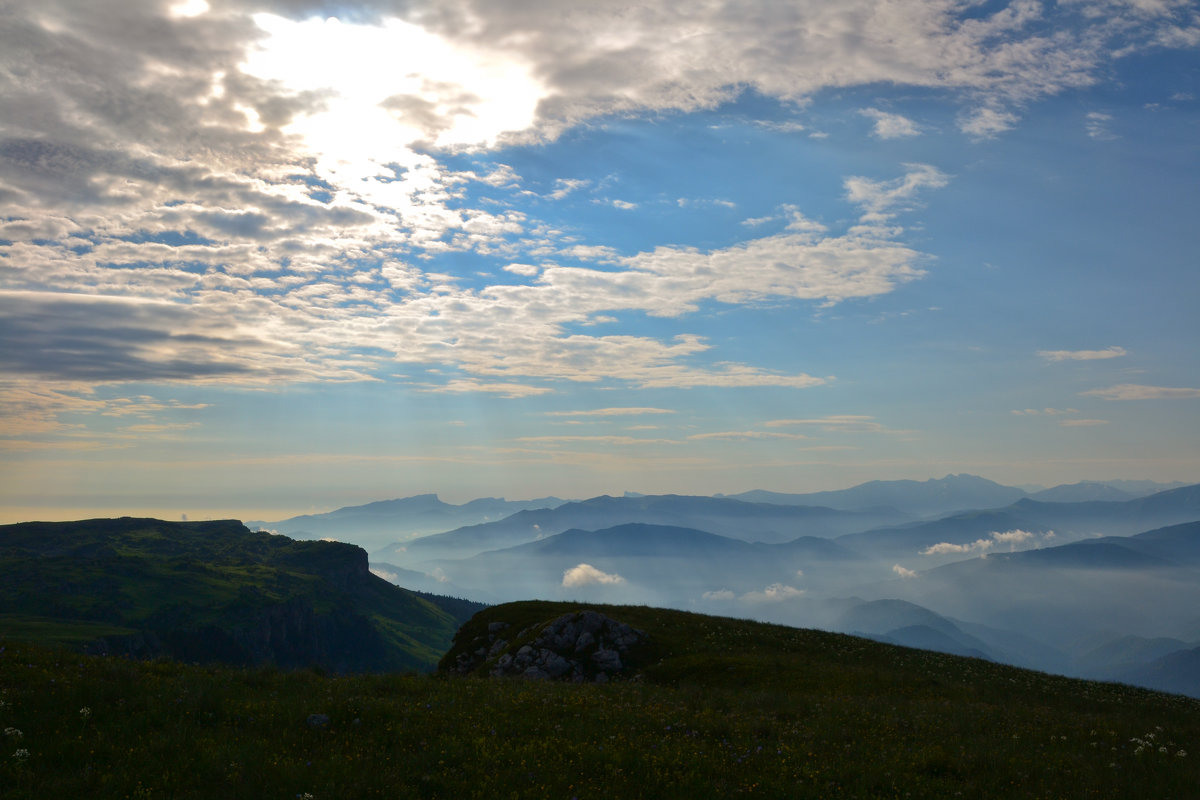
{"x": 996, "y": 538}
{"x": 395, "y": 83}
{"x": 903, "y": 572}
{"x": 890, "y": 126}
{"x": 587, "y": 575}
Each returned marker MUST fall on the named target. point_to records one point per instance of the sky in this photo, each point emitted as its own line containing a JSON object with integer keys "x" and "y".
{"x": 268, "y": 257}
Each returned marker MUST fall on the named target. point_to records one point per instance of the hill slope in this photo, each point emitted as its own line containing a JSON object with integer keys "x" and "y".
{"x": 211, "y": 591}
{"x": 723, "y": 707}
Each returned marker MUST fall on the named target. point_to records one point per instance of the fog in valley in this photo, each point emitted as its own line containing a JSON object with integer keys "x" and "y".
{"x": 1092, "y": 580}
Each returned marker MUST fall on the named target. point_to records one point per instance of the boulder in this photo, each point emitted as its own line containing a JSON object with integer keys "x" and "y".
{"x": 580, "y": 646}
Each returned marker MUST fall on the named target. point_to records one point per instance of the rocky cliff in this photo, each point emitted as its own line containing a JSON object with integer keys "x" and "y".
{"x": 216, "y": 592}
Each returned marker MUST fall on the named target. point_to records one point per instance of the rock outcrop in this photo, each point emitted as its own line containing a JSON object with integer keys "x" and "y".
{"x": 585, "y": 646}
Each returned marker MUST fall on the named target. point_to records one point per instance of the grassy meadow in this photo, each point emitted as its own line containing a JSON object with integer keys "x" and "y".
{"x": 717, "y": 708}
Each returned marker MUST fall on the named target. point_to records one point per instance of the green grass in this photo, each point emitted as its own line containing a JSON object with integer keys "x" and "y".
{"x": 32, "y": 628}
{"x": 168, "y": 586}
{"x": 722, "y": 707}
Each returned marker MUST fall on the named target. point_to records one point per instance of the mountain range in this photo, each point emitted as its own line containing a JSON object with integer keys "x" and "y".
{"x": 1105, "y": 585}
{"x": 1057, "y": 586}
{"x": 384, "y": 522}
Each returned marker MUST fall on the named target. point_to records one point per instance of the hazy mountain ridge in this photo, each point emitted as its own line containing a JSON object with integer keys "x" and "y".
{"x": 933, "y": 497}
{"x": 751, "y": 522}
{"x": 385, "y": 527}
{"x": 384, "y": 522}
{"x": 1059, "y": 586}
{"x": 639, "y": 562}
{"x": 1060, "y": 582}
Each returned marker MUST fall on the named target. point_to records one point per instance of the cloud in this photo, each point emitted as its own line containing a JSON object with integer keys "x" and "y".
{"x": 890, "y": 126}
{"x": 838, "y": 423}
{"x": 246, "y": 212}
{"x": 566, "y": 186}
{"x": 986, "y": 122}
{"x": 1011, "y": 538}
{"x": 1097, "y": 125}
{"x": 30, "y": 406}
{"x": 611, "y": 412}
{"x": 466, "y": 385}
{"x": 946, "y": 548}
{"x": 1133, "y": 391}
{"x": 1049, "y": 412}
{"x": 903, "y": 572}
{"x": 775, "y": 593}
{"x": 72, "y": 337}
{"x": 880, "y": 200}
{"x": 1082, "y": 423}
{"x": 1082, "y": 355}
{"x": 526, "y": 270}
{"x": 587, "y": 575}
{"x": 747, "y": 435}
{"x": 593, "y": 63}
{"x": 617, "y": 440}
{"x": 390, "y": 577}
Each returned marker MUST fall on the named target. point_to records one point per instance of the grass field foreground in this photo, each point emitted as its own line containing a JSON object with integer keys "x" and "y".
{"x": 719, "y": 707}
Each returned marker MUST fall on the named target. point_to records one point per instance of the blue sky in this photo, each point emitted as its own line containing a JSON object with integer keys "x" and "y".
{"x": 264, "y": 258}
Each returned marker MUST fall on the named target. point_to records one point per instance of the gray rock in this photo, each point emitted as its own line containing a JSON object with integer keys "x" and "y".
{"x": 557, "y": 666}
{"x": 607, "y": 660}
{"x": 580, "y": 646}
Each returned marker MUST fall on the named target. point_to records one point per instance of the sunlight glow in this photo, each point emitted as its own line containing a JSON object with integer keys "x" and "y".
{"x": 393, "y": 85}
{"x": 189, "y": 8}
{"x": 380, "y": 91}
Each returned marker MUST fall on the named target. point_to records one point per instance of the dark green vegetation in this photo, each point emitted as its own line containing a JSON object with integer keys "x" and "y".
{"x": 721, "y": 707}
{"x": 213, "y": 592}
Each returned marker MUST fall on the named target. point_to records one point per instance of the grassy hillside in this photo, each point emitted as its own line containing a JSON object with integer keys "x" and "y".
{"x": 718, "y": 707}
{"x": 211, "y": 591}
